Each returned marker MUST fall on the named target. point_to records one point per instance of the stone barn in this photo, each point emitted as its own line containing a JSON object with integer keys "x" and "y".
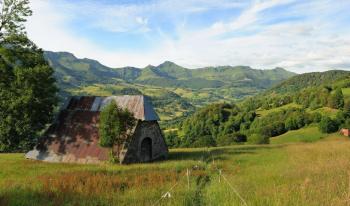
{"x": 74, "y": 136}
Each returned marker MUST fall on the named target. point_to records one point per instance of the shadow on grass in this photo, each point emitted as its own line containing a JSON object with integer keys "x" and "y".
{"x": 29, "y": 197}
{"x": 218, "y": 153}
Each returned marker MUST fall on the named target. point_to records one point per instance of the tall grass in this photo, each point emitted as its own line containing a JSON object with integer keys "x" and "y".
{"x": 288, "y": 174}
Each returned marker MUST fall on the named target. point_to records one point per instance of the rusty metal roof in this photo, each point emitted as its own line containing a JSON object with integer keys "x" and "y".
{"x": 139, "y": 105}
{"x": 72, "y": 138}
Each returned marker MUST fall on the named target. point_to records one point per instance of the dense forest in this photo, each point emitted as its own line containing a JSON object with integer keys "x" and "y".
{"x": 245, "y": 121}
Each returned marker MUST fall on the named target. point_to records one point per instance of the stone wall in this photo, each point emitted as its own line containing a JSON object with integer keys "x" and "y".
{"x": 132, "y": 149}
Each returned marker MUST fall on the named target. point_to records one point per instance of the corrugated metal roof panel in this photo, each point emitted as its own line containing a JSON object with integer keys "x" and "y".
{"x": 139, "y": 105}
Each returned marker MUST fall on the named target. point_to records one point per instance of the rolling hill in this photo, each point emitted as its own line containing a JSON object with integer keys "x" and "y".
{"x": 313, "y": 79}
{"x": 74, "y": 71}
{"x": 175, "y": 90}
{"x": 315, "y": 98}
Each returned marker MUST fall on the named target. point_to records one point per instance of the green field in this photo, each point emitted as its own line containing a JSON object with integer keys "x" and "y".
{"x": 262, "y": 112}
{"x": 346, "y": 92}
{"x": 306, "y": 134}
{"x": 277, "y": 174}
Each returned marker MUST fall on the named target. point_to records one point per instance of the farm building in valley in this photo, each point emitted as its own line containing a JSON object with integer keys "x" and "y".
{"x": 74, "y": 136}
{"x": 345, "y": 132}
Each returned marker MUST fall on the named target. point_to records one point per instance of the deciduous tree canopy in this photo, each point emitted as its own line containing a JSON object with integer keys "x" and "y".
{"x": 27, "y": 86}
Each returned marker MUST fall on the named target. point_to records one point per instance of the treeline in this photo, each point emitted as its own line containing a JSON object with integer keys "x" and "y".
{"x": 225, "y": 124}
{"x": 313, "y": 98}
{"x": 314, "y": 79}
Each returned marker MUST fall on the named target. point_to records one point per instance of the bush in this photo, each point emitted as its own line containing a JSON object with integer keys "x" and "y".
{"x": 272, "y": 130}
{"x": 204, "y": 141}
{"x": 231, "y": 139}
{"x": 327, "y": 125}
{"x": 295, "y": 121}
{"x": 316, "y": 117}
{"x": 172, "y": 139}
{"x": 258, "y": 139}
{"x": 346, "y": 124}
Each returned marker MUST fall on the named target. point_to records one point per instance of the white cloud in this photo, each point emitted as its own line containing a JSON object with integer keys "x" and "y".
{"x": 302, "y": 46}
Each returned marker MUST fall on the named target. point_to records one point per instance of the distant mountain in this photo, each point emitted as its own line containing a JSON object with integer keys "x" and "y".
{"x": 73, "y": 71}
{"x": 175, "y": 90}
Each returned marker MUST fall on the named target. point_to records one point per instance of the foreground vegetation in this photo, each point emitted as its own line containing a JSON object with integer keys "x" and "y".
{"x": 280, "y": 174}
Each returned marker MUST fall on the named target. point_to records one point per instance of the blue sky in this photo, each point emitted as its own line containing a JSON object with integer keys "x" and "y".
{"x": 298, "y": 35}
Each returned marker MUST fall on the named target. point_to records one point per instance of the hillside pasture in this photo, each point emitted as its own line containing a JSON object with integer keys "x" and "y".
{"x": 327, "y": 111}
{"x": 278, "y": 174}
{"x": 263, "y": 112}
{"x": 306, "y": 134}
{"x": 346, "y": 92}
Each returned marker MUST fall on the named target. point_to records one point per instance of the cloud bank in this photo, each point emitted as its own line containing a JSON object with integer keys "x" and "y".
{"x": 301, "y": 36}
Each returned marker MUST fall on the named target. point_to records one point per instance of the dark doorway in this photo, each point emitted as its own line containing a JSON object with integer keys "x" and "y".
{"x": 146, "y": 150}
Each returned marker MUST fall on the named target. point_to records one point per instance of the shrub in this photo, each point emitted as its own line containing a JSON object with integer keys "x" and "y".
{"x": 232, "y": 138}
{"x": 336, "y": 100}
{"x": 295, "y": 121}
{"x": 327, "y": 125}
{"x": 258, "y": 139}
{"x": 346, "y": 124}
{"x": 272, "y": 130}
{"x": 204, "y": 141}
{"x": 172, "y": 139}
{"x": 316, "y": 117}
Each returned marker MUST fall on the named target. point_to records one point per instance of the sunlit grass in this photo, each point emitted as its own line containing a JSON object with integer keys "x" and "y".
{"x": 306, "y": 134}
{"x": 279, "y": 174}
{"x": 346, "y": 92}
{"x": 326, "y": 111}
{"x": 287, "y": 106}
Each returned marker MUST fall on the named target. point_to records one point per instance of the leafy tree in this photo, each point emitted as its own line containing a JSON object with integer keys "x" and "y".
{"x": 205, "y": 141}
{"x": 327, "y": 125}
{"x": 28, "y": 94}
{"x": 346, "y": 124}
{"x": 115, "y": 123}
{"x": 337, "y": 99}
{"x": 315, "y": 117}
{"x": 229, "y": 139}
{"x": 172, "y": 139}
{"x": 295, "y": 121}
{"x": 340, "y": 117}
{"x": 347, "y": 108}
{"x": 258, "y": 139}
{"x": 209, "y": 120}
{"x": 12, "y": 16}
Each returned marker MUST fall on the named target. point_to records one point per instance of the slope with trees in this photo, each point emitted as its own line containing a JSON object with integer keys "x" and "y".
{"x": 222, "y": 124}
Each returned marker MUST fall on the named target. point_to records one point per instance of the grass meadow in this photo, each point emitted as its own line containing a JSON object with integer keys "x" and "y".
{"x": 282, "y": 173}
{"x": 306, "y": 134}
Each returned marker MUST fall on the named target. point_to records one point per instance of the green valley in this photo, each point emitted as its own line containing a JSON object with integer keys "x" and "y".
{"x": 169, "y": 85}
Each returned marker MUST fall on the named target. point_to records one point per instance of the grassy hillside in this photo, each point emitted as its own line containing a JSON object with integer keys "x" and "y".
{"x": 263, "y": 112}
{"x": 307, "y": 134}
{"x": 288, "y": 174}
{"x": 259, "y": 118}
{"x": 329, "y": 78}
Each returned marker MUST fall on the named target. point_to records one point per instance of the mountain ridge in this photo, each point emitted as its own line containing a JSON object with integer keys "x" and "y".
{"x": 168, "y": 74}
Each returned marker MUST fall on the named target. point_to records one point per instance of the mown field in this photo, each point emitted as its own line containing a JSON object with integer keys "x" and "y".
{"x": 283, "y": 173}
